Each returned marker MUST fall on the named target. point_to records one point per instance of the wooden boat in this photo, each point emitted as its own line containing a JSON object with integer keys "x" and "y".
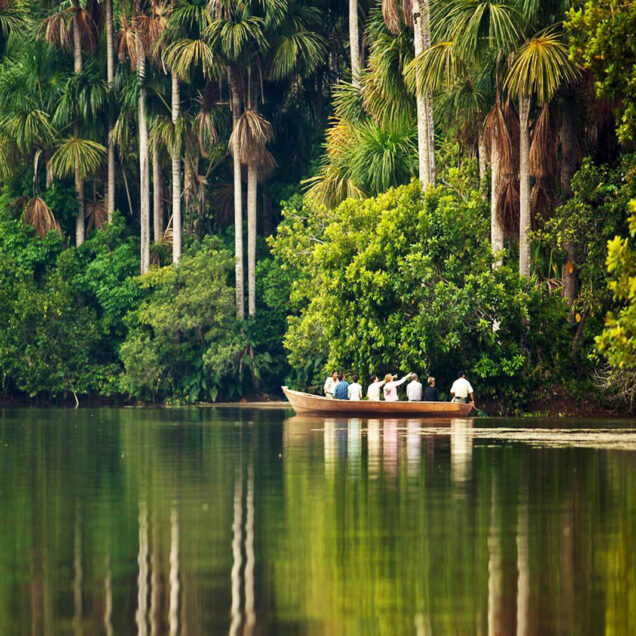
{"x": 306, "y": 403}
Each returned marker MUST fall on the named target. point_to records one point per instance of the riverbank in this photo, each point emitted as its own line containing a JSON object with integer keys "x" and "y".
{"x": 553, "y": 403}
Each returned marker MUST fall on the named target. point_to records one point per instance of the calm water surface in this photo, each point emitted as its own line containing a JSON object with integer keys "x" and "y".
{"x": 218, "y": 521}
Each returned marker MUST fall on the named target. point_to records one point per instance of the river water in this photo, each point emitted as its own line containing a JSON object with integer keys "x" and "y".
{"x": 215, "y": 521}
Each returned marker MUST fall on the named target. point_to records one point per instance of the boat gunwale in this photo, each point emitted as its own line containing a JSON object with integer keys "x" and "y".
{"x": 308, "y": 403}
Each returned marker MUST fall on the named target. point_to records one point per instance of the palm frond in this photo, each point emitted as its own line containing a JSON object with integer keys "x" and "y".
{"x": 185, "y": 55}
{"x": 40, "y": 217}
{"x": 295, "y": 52}
{"x": 252, "y": 131}
{"x": 540, "y": 67}
{"x": 434, "y": 69}
{"x": 83, "y": 156}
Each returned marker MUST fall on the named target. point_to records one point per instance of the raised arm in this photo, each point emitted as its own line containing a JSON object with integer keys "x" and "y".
{"x": 402, "y": 380}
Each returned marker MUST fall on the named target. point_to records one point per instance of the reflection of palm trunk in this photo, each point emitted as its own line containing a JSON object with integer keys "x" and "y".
{"x": 495, "y": 570}
{"x": 108, "y": 599}
{"x": 78, "y": 573}
{"x": 175, "y": 585}
{"x": 142, "y": 578}
{"x": 236, "y": 554}
{"x": 155, "y": 579}
{"x": 523, "y": 570}
{"x": 249, "y": 553}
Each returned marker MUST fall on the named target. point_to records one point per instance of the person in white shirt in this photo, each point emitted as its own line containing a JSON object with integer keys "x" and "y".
{"x": 373, "y": 392}
{"x": 462, "y": 391}
{"x": 355, "y": 390}
{"x": 414, "y": 390}
{"x": 330, "y": 385}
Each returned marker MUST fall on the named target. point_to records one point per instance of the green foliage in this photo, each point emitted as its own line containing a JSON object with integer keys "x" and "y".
{"x": 587, "y": 221}
{"x": 405, "y": 281}
{"x": 618, "y": 340}
{"x": 184, "y": 341}
{"x": 602, "y": 40}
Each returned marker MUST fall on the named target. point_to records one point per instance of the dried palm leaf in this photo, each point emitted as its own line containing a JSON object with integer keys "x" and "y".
{"x": 40, "y": 217}
{"x": 391, "y": 15}
{"x": 127, "y": 48}
{"x": 542, "y": 157}
{"x": 96, "y": 215}
{"x": 252, "y": 132}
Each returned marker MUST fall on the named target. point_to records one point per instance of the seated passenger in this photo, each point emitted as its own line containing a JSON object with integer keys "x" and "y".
{"x": 341, "y": 392}
{"x": 431, "y": 394}
{"x": 355, "y": 390}
{"x": 414, "y": 390}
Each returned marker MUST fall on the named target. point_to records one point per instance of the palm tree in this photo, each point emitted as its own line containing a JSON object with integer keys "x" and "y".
{"x": 80, "y": 36}
{"x": 144, "y": 162}
{"x": 187, "y": 49}
{"x": 416, "y": 13}
{"x": 233, "y": 31}
{"x": 354, "y": 42}
{"x": 540, "y": 66}
{"x": 110, "y": 76}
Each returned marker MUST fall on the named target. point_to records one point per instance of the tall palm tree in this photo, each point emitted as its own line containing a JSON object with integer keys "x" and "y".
{"x": 233, "y": 33}
{"x": 142, "y": 126}
{"x": 110, "y": 76}
{"x": 416, "y": 13}
{"x": 540, "y": 66}
{"x": 186, "y": 50}
{"x": 354, "y": 42}
{"x": 80, "y": 36}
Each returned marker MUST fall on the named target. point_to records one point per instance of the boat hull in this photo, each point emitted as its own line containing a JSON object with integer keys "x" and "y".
{"x": 305, "y": 403}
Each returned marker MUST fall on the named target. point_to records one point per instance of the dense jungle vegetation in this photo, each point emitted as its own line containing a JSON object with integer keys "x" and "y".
{"x": 205, "y": 199}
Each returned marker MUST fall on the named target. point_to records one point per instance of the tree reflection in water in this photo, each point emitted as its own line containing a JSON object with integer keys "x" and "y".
{"x": 140, "y": 521}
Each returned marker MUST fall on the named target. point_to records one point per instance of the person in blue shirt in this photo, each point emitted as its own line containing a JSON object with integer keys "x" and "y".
{"x": 341, "y": 391}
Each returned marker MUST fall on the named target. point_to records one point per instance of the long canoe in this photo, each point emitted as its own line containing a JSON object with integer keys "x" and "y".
{"x": 306, "y": 403}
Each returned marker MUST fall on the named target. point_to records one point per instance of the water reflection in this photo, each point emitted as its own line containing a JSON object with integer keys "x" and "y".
{"x": 461, "y": 439}
{"x": 135, "y": 522}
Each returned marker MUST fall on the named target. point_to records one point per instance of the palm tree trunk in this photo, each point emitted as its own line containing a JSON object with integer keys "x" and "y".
{"x": 496, "y": 230}
{"x": 568, "y": 168}
{"x": 483, "y": 157}
{"x": 176, "y": 177}
{"x": 110, "y": 75}
{"x": 524, "y": 187}
{"x": 80, "y": 232}
{"x": 425, "y": 136}
{"x": 354, "y": 42}
{"x": 157, "y": 212}
{"x": 144, "y": 164}
{"x": 238, "y": 205}
{"x": 252, "y": 191}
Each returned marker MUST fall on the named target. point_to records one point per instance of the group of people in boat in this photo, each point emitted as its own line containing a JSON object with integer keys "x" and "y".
{"x": 337, "y": 387}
